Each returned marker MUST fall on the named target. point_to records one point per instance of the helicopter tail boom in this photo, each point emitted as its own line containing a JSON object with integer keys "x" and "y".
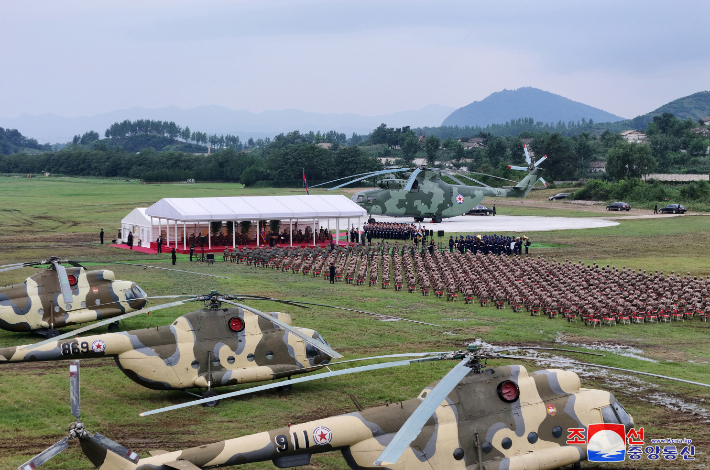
{"x": 526, "y": 184}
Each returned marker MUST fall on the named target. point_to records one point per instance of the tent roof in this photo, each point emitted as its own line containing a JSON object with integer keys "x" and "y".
{"x": 254, "y": 207}
{"x": 137, "y": 217}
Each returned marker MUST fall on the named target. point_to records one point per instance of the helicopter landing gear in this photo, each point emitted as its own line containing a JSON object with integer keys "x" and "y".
{"x": 371, "y": 220}
{"x": 419, "y": 219}
{"x": 51, "y": 333}
{"x": 436, "y": 219}
{"x": 577, "y": 466}
{"x": 210, "y": 394}
{"x": 284, "y": 388}
{"x": 113, "y": 327}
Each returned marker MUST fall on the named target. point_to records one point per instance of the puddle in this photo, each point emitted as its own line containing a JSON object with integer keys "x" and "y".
{"x": 617, "y": 349}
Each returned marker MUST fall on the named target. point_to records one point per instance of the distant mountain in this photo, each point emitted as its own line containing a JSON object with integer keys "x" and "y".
{"x": 544, "y": 106}
{"x": 220, "y": 120}
{"x": 695, "y": 106}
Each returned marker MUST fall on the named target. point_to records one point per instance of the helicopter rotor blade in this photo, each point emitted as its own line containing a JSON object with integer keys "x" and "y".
{"x": 575, "y": 363}
{"x": 456, "y": 180}
{"x": 521, "y": 168}
{"x": 540, "y": 161}
{"x": 349, "y": 176}
{"x": 115, "y": 447}
{"x": 313, "y": 342}
{"x": 260, "y": 388}
{"x": 383, "y": 172}
{"x": 416, "y": 421}
{"x": 45, "y": 455}
{"x": 412, "y": 179}
{"x": 269, "y": 299}
{"x": 640, "y": 373}
{"x": 474, "y": 179}
{"x": 74, "y": 389}
{"x": 106, "y": 322}
{"x": 527, "y": 155}
{"x": 493, "y": 176}
{"x": 548, "y": 349}
{"x": 63, "y": 282}
{"x": 368, "y": 313}
{"x": 16, "y": 267}
{"x": 543, "y": 181}
{"x": 154, "y": 267}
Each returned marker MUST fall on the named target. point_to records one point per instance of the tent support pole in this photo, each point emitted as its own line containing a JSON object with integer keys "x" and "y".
{"x": 290, "y": 232}
{"x": 234, "y": 234}
{"x": 337, "y": 230}
{"x": 184, "y": 235}
{"x": 209, "y": 236}
{"x": 314, "y": 232}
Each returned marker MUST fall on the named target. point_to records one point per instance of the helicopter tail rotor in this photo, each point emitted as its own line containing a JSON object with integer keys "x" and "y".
{"x": 77, "y": 431}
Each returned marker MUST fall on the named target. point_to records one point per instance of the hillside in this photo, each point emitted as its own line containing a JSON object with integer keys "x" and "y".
{"x": 695, "y": 106}
{"x": 525, "y": 102}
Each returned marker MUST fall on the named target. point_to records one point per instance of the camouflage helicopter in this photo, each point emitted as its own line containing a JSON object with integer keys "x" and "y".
{"x": 424, "y": 194}
{"x": 206, "y": 348}
{"x": 475, "y": 417}
{"x": 58, "y": 296}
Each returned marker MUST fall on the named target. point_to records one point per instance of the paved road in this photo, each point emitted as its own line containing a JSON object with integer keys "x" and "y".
{"x": 499, "y": 223}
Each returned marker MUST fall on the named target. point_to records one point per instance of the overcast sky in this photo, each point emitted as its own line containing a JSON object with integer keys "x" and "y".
{"x": 83, "y": 57}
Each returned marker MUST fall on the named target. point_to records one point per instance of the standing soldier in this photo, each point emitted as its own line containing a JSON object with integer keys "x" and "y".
{"x": 451, "y": 243}
{"x": 101, "y": 236}
{"x": 174, "y": 256}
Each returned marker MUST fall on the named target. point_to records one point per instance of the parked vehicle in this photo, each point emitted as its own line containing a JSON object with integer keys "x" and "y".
{"x": 618, "y": 206}
{"x": 480, "y": 210}
{"x": 672, "y": 209}
{"x": 558, "y": 196}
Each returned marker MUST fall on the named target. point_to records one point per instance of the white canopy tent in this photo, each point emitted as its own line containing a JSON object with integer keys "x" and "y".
{"x": 143, "y": 227}
{"x": 181, "y": 211}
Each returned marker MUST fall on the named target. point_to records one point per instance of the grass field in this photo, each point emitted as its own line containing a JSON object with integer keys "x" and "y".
{"x": 34, "y": 399}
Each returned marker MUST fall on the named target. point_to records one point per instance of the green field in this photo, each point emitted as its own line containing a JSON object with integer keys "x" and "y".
{"x": 41, "y": 217}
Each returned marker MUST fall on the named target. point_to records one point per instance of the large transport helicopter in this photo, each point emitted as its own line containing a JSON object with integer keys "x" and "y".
{"x": 475, "y": 417}
{"x": 210, "y": 347}
{"x": 422, "y": 193}
{"x": 59, "y": 296}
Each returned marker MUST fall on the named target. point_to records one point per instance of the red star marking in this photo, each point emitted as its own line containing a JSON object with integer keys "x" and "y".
{"x": 322, "y": 436}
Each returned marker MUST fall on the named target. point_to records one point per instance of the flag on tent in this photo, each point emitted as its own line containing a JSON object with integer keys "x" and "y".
{"x": 305, "y": 184}
{"x": 263, "y": 234}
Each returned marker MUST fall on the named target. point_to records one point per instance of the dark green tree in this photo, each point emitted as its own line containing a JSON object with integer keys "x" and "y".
{"x": 431, "y": 145}
{"x": 629, "y": 160}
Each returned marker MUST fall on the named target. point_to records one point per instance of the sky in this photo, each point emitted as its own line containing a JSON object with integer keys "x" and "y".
{"x": 80, "y": 58}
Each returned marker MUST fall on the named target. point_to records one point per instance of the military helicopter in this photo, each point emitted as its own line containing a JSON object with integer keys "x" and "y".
{"x": 58, "y": 297}
{"x": 210, "y": 347}
{"x": 475, "y": 417}
{"x": 422, "y": 193}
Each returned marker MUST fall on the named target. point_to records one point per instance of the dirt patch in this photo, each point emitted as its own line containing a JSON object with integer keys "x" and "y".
{"x": 42, "y": 368}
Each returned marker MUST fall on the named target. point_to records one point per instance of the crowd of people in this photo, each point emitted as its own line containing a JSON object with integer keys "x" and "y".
{"x": 493, "y": 244}
{"x": 594, "y": 294}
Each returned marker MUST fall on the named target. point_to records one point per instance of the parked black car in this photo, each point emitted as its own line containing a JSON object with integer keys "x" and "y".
{"x": 618, "y": 206}
{"x": 672, "y": 209}
{"x": 558, "y": 196}
{"x": 480, "y": 210}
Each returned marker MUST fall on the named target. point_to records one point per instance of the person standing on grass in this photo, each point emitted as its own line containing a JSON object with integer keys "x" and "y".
{"x": 332, "y": 273}
{"x": 130, "y": 240}
{"x": 160, "y": 243}
{"x": 174, "y": 256}
{"x": 494, "y": 209}
{"x": 192, "y": 250}
{"x": 655, "y": 209}
{"x": 101, "y": 236}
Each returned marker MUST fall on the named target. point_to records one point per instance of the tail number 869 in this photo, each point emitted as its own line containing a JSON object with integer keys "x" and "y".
{"x": 75, "y": 348}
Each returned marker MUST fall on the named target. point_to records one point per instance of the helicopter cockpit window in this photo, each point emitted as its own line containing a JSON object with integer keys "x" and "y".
{"x": 139, "y": 293}
{"x": 609, "y": 416}
{"x": 415, "y": 185}
{"x": 129, "y": 295}
{"x": 359, "y": 199}
{"x": 369, "y": 199}
{"x": 622, "y": 414}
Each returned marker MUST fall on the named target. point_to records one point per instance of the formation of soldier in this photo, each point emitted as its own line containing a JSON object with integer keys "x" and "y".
{"x": 489, "y": 244}
{"x": 390, "y": 231}
{"x": 594, "y": 294}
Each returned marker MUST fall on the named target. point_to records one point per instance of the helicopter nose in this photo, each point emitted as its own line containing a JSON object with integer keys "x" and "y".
{"x": 139, "y": 299}
{"x": 316, "y": 355}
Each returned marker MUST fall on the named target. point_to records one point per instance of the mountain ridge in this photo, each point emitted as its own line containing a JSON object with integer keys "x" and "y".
{"x": 544, "y": 106}
{"x": 216, "y": 119}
